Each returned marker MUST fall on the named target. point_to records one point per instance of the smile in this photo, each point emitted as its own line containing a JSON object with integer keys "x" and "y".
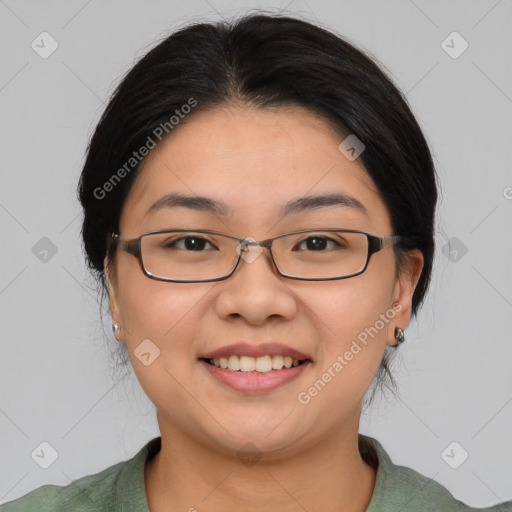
{"x": 254, "y": 381}
{"x": 262, "y": 364}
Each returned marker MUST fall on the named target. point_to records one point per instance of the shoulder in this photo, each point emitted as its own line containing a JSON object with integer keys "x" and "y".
{"x": 107, "y": 490}
{"x": 91, "y": 492}
{"x": 403, "y": 488}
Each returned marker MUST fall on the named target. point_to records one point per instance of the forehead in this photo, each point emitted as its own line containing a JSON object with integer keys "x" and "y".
{"x": 254, "y": 160}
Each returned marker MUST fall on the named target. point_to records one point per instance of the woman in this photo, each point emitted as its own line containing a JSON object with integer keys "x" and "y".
{"x": 259, "y": 204}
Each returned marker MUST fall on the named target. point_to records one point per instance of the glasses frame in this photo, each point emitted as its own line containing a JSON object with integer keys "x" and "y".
{"x": 133, "y": 247}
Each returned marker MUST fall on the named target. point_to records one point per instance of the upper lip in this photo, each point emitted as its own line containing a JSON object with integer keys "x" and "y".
{"x": 260, "y": 350}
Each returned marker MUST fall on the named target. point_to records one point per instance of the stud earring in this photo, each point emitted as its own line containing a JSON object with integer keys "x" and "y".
{"x": 399, "y": 335}
{"x": 115, "y": 329}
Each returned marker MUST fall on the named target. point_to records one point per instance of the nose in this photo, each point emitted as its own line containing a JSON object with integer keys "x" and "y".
{"x": 256, "y": 291}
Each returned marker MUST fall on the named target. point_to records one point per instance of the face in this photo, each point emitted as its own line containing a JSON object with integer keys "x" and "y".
{"x": 255, "y": 161}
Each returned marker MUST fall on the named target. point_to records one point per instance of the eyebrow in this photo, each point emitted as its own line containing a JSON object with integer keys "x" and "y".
{"x": 302, "y": 204}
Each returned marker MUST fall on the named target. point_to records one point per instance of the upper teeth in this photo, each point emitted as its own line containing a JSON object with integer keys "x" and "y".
{"x": 260, "y": 364}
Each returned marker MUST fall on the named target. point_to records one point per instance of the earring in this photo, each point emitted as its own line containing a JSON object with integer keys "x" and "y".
{"x": 399, "y": 335}
{"x": 115, "y": 330}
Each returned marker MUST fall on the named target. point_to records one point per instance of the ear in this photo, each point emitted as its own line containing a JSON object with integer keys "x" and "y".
{"x": 114, "y": 308}
{"x": 407, "y": 279}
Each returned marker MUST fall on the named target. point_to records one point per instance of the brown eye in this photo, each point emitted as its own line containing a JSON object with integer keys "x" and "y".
{"x": 317, "y": 243}
{"x": 190, "y": 243}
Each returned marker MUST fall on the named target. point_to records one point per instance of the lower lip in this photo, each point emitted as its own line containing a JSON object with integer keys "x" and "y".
{"x": 255, "y": 382}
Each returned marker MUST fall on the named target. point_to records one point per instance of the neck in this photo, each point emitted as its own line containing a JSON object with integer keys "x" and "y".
{"x": 330, "y": 476}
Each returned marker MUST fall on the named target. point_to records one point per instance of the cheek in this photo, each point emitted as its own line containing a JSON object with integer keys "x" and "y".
{"x": 353, "y": 318}
{"x": 346, "y": 369}
{"x": 348, "y": 308}
{"x": 162, "y": 312}
{"x": 169, "y": 315}
{"x": 160, "y": 321}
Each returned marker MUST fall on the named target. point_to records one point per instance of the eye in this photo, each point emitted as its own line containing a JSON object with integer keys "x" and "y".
{"x": 189, "y": 243}
{"x": 319, "y": 243}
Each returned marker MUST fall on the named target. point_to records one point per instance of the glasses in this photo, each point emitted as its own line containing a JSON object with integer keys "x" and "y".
{"x": 194, "y": 256}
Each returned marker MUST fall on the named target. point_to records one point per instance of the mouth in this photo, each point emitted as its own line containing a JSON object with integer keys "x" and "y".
{"x": 262, "y": 364}
{"x": 255, "y": 369}
{"x": 254, "y": 376}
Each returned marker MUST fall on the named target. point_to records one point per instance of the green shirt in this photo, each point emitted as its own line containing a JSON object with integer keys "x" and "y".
{"x": 121, "y": 488}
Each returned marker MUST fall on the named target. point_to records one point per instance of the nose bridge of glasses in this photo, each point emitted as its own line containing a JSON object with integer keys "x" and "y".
{"x": 250, "y": 255}
{"x": 249, "y": 241}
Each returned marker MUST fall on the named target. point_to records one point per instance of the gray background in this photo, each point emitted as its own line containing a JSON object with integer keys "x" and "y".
{"x": 454, "y": 370}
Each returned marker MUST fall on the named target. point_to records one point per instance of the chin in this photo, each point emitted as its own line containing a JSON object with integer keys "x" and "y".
{"x": 271, "y": 437}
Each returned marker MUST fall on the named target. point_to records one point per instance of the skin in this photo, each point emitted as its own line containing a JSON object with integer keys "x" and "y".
{"x": 256, "y": 160}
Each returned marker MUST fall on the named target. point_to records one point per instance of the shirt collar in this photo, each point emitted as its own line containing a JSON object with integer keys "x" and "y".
{"x": 130, "y": 494}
